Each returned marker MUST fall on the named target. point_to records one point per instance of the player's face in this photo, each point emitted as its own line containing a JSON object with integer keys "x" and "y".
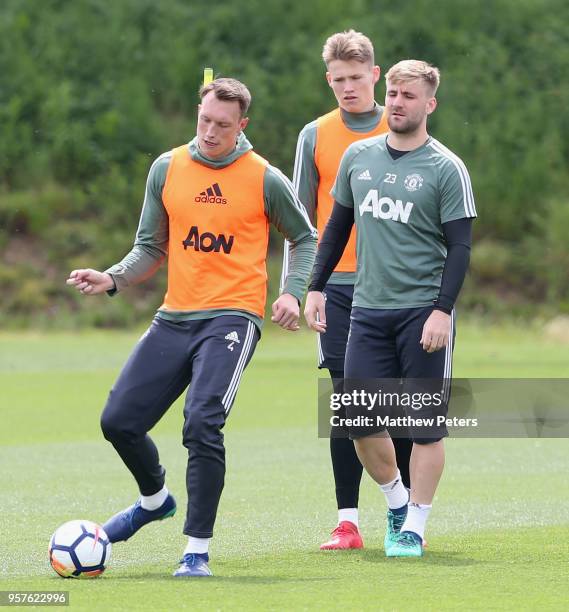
{"x": 353, "y": 84}
{"x": 219, "y": 124}
{"x": 408, "y": 105}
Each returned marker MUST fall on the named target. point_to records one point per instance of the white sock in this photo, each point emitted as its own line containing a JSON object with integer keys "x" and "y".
{"x": 417, "y": 515}
{"x": 348, "y": 514}
{"x": 197, "y": 545}
{"x": 395, "y": 492}
{"x": 153, "y": 502}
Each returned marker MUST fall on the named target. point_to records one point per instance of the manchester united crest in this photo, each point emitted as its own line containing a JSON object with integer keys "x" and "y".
{"x": 413, "y": 182}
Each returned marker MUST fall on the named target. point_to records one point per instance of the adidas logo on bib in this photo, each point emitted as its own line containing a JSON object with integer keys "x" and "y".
{"x": 211, "y": 195}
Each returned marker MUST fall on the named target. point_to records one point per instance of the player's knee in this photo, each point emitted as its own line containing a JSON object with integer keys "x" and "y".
{"x": 114, "y": 428}
{"x": 108, "y": 427}
{"x": 201, "y": 431}
{"x": 116, "y": 420}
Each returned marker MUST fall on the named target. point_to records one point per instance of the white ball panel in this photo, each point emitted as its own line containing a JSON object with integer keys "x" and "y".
{"x": 68, "y": 533}
{"x": 89, "y": 552}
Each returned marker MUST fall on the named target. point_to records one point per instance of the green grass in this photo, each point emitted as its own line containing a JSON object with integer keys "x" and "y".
{"x": 498, "y": 533}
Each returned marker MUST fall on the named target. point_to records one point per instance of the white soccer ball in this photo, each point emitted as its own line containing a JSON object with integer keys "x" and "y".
{"x": 79, "y": 549}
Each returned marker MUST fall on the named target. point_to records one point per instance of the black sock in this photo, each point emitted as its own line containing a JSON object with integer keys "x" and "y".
{"x": 403, "y": 448}
{"x": 347, "y": 472}
{"x": 345, "y": 463}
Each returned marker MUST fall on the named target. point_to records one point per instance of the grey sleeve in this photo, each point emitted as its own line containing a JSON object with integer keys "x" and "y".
{"x": 305, "y": 180}
{"x": 305, "y": 176}
{"x": 456, "y": 196}
{"x": 285, "y": 211}
{"x": 151, "y": 242}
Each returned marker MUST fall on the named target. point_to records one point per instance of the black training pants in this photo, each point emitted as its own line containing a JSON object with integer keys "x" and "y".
{"x": 210, "y": 356}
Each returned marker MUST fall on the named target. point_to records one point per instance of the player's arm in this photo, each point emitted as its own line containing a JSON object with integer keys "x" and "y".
{"x": 332, "y": 244}
{"x": 285, "y": 211}
{"x": 457, "y": 212}
{"x": 151, "y": 243}
{"x": 150, "y": 246}
{"x": 305, "y": 181}
{"x": 330, "y": 250}
{"x": 458, "y": 238}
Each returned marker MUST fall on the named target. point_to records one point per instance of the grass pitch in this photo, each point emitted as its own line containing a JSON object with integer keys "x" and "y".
{"x": 498, "y": 533}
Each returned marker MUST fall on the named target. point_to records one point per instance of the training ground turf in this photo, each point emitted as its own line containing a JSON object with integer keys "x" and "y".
{"x": 498, "y": 533}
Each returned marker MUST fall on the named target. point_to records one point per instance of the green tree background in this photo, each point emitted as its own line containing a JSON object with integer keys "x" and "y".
{"x": 93, "y": 90}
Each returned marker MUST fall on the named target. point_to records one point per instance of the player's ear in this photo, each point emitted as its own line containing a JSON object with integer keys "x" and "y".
{"x": 431, "y": 105}
{"x": 243, "y": 123}
{"x": 376, "y": 70}
{"x": 329, "y": 78}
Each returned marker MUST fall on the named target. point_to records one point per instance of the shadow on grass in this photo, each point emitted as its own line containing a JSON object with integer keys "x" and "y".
{"x": 317, "y": 567}
{"x": 274, "y": 579}
{"x": 443, "y": 558}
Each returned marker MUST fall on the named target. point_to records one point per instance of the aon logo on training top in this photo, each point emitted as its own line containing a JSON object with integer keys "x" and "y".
{"x": 208, "y": 242}
{"x": 385, "y": 208}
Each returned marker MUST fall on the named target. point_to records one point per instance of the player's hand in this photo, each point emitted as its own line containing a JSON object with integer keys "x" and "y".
{"x": 315, "y": 311}
{"x": 90, "y": 282}
{"x": 436, "y": 331}
{"x": 286, "y": 312}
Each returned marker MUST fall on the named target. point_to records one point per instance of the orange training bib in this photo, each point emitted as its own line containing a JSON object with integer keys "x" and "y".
{"x": 332, "y": 139}
{"x": 218, "y": 234}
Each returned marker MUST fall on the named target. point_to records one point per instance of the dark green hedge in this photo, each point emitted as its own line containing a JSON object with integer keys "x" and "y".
{"x": 93, "y": 90}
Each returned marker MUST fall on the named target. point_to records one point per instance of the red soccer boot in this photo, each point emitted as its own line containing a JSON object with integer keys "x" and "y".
{"x": 344, "y": 537}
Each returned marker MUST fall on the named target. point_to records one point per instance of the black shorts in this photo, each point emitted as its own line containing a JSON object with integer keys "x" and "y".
{"x": 332, "y": 344}
{"x": 383, "y": 348}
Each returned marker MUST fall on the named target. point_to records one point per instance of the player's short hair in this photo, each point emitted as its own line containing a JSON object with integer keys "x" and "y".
{"x": 348, "y": 45}
{"x": 413, "y": 70}
{"x": 230, "y": 90}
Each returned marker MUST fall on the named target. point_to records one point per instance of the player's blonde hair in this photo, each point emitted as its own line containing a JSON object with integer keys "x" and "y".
{"x": 230, "y": 90}
{"x": 348, "y": 45}
{"x": 413, "y": 70}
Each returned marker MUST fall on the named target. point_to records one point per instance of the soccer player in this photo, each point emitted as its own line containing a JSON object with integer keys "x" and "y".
{"x": 352, "y": 75}
{"x": 413, "y": 219}
{"x": 208, "y": 205}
